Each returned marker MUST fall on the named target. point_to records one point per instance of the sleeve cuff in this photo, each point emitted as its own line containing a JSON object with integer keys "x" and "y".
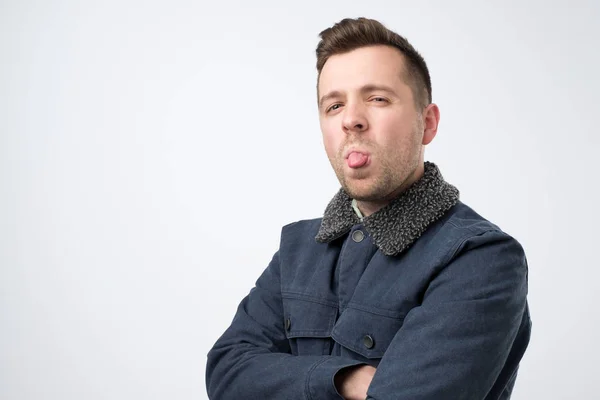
{"x": 320, "y": 380}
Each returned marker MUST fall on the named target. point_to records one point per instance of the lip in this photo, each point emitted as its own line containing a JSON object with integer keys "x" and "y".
{"x": 355, "y": 150}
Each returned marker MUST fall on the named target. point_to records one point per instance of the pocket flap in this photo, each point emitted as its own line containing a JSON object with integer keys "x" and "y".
{"x": 307, "y": 317}
{"x": 364, "y": 332}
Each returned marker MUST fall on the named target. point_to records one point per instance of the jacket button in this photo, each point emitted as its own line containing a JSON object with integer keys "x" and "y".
{"x": 358, "y": 236}
{"x": 368, "y": 342}
{"x": 288, "y": 324}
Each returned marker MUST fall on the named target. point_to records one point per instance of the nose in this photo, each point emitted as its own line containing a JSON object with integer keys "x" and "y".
{"x": 354, "y": 119}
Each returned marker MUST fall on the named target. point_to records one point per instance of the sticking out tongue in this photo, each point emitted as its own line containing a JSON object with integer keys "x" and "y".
{"x": 357, "y": 160}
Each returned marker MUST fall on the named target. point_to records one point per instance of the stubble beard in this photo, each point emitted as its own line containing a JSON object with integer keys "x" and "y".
{"x": 389, "y": 178}
{"x": 374, "y": 188}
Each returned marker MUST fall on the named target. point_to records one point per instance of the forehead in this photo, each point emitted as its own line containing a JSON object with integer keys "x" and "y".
{"x": 363, "y": 66}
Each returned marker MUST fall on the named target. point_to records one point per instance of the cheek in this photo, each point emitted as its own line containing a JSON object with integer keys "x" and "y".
{"x": 395, "y": 133}
{"x": 332, "y": 138}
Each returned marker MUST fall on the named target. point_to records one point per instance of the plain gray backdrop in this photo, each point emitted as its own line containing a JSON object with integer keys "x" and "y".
{"x": 150, "y": 152}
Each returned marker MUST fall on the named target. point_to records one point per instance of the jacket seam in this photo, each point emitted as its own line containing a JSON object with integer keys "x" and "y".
{"x": 508, "y": 381}
{"x": 304, "y": 297}
{"x": 463, "y": 239}
{"x": 310, "y": 371}
{"x": 324, "y": 332}
{"x": 381, "y": 312}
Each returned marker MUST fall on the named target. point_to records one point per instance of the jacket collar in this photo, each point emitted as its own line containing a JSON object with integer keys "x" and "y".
{"x": 397, "y": 225}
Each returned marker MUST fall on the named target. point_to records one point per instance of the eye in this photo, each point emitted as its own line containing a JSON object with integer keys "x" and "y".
{"x": 380, "y": 99}
{"x": 333, "y": 107}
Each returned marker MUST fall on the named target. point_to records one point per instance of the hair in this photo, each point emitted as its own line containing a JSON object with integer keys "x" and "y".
{"x": 351, "y": 34}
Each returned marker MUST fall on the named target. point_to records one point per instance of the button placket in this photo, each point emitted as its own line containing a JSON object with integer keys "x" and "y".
{"x": 356, "y": 254}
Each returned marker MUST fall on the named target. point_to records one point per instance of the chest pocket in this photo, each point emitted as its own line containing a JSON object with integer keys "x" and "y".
{"x": 366, "y": 333}
{"x": 308, "y": 324}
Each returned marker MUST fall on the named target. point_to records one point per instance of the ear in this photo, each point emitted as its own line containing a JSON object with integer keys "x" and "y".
{"x": 431, "y": 120}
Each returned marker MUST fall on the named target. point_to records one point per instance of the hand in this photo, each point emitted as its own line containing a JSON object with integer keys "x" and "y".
{"x": 352, "y": 383}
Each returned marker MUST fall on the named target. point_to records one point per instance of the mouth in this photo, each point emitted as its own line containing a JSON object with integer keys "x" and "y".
{"x": 357, "y": 159}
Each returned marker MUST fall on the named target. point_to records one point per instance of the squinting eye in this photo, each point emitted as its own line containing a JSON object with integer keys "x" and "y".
{"x": 334, "y": 107}
{"x": 380, "y": 99}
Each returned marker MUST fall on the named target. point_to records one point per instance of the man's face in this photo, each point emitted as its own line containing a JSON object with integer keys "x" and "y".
{"x": 371, "y": 130}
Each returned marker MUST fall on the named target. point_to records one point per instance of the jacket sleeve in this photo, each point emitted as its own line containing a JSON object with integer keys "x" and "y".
{"x": 252, "y": 359}
{"x": 454, "y": 345}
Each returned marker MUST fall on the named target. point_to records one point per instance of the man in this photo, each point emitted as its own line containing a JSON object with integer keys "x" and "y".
{"x": 400, "y": 291}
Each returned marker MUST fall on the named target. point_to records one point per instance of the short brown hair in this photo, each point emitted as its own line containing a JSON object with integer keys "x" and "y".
{"x": 351, "y": 34}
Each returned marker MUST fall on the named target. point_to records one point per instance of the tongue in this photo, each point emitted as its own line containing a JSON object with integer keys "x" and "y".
{"x": 357, "y": 160}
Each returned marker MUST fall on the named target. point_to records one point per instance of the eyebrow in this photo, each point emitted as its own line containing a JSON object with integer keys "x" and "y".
{"x": 363, "y": 89}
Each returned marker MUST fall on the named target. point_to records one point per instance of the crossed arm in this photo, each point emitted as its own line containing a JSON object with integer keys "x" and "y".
{"x": 453, "y": 345}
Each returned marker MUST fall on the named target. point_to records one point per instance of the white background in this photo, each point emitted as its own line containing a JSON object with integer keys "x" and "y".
{"x": 151, "y": 151}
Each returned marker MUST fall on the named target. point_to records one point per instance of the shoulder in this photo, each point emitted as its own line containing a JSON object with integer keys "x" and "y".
{"x": 462, "y": 229}
{"x": 461, "y": 216}
{"x": 479, "y": 246}
{"x": 301, "y": 230}
{"x": 462, "y": 222}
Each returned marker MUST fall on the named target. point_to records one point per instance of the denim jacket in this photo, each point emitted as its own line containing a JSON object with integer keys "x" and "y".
{"x": 425, "y": 290}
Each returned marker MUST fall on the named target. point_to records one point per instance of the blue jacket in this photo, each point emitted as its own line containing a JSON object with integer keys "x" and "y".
{"x": 426, "y": 290}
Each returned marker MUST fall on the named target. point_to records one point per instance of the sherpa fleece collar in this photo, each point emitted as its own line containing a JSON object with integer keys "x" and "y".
{"x": 396, "y": 226}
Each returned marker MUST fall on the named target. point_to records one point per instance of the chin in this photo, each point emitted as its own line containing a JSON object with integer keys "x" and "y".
{"x": 361, "y": 193}
{"x": 371, "y": 190}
